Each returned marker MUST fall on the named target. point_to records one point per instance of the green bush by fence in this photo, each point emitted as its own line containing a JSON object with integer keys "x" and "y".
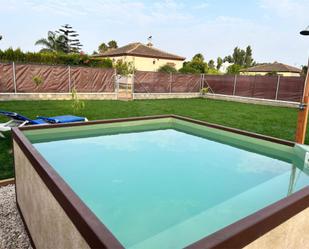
{"x": 17, "y": 55}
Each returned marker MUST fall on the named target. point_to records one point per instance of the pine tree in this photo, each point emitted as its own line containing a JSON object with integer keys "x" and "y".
{"x": 71, "y": 44}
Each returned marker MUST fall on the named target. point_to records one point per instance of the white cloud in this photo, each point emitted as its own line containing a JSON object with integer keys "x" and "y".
{"x": 297, "y": 9}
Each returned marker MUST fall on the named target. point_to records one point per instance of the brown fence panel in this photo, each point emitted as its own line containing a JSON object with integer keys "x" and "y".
{"x": 220, "y": 84}
{"x": 151, "y": 82}
{"x": 244, "y": 86}
{"x": 81, "y": 79}
{"x": 6, "y": 78}
{"x": 182, "y": 83}
{"x": 265, "y": 87}
{"x": 103, "y": 80}
{"x": 291, "y": 88}
{"x": 89, "y": 80}
{"x": 55, "y": 79}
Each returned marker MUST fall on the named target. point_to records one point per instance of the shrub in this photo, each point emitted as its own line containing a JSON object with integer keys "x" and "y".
{"x": 124, "y": 68}
{"x": 204, "y": 90}
{"x": 273, "y": 73}
{"x": 167, "y": 69}
{"x": 37, "y": 80}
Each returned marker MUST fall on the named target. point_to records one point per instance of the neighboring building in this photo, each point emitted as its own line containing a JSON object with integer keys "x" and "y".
{"x": 144, "y": 57}
{"x": 267, "y": 68}
{"x": 224, "y": 66}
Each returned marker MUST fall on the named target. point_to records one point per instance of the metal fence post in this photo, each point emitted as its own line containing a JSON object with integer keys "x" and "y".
{"x": 170, "y": 80}
{"x": 14, "y": 77}
{"x": 69, "y": 68}
{"x": 235, "y": 82}
{"x": 277, "y": 89}
{"x": 132, "y": 85}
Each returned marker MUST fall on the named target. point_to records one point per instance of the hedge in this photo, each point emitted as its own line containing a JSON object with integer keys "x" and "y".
{"x": 81, "y": 59}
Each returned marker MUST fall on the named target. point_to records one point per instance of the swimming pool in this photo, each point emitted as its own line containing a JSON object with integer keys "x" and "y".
{"x": 159, "y": 182}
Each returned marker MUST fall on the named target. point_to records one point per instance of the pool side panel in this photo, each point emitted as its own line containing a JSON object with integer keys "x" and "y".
{"x": 237, "y": 131}
{"x": 291, "y": 234}
{"x": 250, "y": 228}
{"x": 264, "y": 147}
{"x": 85, "y": 225}
{"x": 48, "y": 224}
{"x": 75, "y": 132}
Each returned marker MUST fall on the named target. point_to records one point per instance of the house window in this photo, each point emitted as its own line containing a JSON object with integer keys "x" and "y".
{"x": 154, "y": 61}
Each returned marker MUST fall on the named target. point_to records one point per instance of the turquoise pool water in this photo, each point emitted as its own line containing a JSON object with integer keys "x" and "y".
{"x": 166, "y": 188}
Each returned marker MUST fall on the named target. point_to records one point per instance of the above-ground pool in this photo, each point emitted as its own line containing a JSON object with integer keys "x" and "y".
{"x": 155, "y": 182}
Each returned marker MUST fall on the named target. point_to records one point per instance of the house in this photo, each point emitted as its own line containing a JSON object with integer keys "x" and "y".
{"x": 270, "y": 68}
{"x": 143, "y": 57}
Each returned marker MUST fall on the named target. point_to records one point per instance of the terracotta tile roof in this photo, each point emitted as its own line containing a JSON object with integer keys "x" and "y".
{"x": 272, "y": 67}
{"x": 139, "y": 49}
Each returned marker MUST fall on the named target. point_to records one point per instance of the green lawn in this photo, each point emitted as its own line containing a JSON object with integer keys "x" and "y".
{"x": 274, "y": 121}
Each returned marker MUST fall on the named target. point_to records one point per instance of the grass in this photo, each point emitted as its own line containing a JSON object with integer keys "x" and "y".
{"x": 273, "y": 121}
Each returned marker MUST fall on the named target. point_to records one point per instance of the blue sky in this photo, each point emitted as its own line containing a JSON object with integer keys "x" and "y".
{"x": 211, "y": 27}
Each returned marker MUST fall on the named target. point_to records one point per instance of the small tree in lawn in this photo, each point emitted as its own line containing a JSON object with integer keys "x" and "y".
{"x": 77, "y": 104}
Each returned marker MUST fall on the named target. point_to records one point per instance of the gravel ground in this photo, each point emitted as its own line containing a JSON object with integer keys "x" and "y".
{"x": 12, "y": 231}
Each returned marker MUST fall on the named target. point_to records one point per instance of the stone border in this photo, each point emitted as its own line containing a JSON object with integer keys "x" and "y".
{"x": 8, "y": 181}
{"x": 248, "y": 100}
{"x": 56, "y": 96}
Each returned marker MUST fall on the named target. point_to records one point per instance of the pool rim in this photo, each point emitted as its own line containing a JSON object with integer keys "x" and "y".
{"x": 96, "y": 234}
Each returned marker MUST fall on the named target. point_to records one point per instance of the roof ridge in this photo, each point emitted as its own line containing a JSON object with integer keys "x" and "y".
{"x": 275, "y": 66}
{"x": 136, "y": 46}
{"x": 140, "y": 49}
{"x": 159, "y": 50}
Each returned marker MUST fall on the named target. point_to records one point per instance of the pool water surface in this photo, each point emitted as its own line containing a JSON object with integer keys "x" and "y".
{"x": 166, "y": 188}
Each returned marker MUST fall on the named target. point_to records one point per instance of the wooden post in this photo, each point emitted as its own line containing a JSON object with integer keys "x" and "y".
{"x": 303, "y": 113}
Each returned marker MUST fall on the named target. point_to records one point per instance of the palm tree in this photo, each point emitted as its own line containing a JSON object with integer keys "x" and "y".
{"x": 53, "y": 43}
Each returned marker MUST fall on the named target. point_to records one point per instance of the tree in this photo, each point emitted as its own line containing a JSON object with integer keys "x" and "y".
{"x": 70, "y": 42}
{"x": 186, "y": 68}
{"x": 112, "y": 44}
{"x": 213, "y": 71}
{"x": 52, "y": 43}
{"x": 167, "y": 69}
{"x": 211, "y": 64}
{"x": 196, "y": 65}
{"x": 241, "y": 57}
{"x": 234, "y": 69}
{"x": 219, "y": 63}
{"x": 124, "y": 68}
{"x": 198, "y": 58}
{"x": 103, "y": 47}
{"x": 228, "y": 59}
{"x": 304, "y": 70}
{"x": 248, "y": 57}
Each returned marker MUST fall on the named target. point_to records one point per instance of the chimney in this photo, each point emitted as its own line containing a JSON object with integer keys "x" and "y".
{"x": 149, "y": 44}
